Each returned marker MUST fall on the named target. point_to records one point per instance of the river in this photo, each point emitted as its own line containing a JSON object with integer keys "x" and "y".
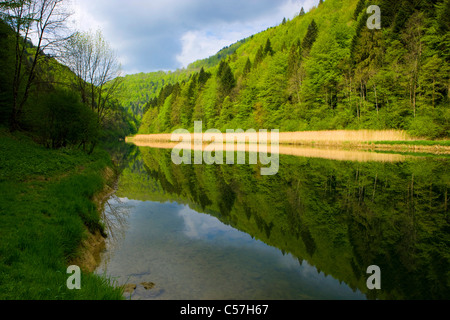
{"x": 222, "y": 232}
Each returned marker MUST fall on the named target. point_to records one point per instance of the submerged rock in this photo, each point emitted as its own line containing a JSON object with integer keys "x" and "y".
{"x": 148, "y": 285}
{"x": 129, "y": 288}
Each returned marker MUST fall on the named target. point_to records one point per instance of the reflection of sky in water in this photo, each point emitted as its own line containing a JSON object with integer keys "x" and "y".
{"x": 190, "y": 255}
{"x": 203, "y": 226}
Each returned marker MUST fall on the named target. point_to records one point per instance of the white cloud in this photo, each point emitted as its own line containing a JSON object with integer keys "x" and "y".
{"x": 168, "y": 34}
{"x": 203, "y": 44}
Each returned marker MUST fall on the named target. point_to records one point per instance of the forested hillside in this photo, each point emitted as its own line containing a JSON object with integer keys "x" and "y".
{"x": 323, "y": 70}
{"x": 137, "y": 92}
{"x": 51, "y": 88}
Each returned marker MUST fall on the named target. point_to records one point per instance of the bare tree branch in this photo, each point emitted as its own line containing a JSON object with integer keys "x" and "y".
{"x": 96, "y": 68}
{"x": 38, "y": 21}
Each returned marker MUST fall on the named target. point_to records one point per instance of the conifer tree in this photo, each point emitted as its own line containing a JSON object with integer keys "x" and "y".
{"x": 310, "y": 37}
{"x": 248, "y": 67}
{"x": 259, "y": 56}
{"x": 268, "y": 48}
{"x": 226, "y": 78}
{"x": 359, "y": 8}
{"x": 203, "y": 76}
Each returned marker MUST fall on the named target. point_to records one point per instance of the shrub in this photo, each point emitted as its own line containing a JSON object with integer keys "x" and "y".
{"x": 61, "y": 120}
{"x": 424, "y": 127}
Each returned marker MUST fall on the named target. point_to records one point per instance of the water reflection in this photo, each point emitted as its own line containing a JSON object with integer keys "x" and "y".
{"x": 311, "y": 231}
{"x": 115, "y": 217}
{"x": 206, "y": 227}
{"x": 332, "y": 153}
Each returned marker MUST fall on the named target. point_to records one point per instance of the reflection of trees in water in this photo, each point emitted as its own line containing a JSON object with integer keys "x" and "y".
{"x": 115, "y": 218}
{"x": 339, "y": 216}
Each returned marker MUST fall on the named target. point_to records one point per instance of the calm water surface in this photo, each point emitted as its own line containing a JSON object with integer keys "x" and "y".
{"x": 310, "y": 232}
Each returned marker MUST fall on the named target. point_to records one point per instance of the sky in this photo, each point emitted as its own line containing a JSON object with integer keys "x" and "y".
{"x": 153, "y": 35}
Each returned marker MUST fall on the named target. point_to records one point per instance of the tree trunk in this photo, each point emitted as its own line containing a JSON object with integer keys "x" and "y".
{"x": 376, "y": 99}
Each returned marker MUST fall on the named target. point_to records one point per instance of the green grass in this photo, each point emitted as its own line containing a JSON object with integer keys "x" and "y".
{"x": 445, "y": 143}
{"x": 45, "y": 209}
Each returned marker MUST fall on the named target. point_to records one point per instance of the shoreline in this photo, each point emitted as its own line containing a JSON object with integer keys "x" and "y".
{"x": 89, "y": 252}
{"x": 52, "y": 201}
{"x": 398, "y": 143}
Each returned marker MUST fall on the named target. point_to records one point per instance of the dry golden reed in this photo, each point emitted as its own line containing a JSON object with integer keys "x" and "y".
{"x": 334, "y": 137}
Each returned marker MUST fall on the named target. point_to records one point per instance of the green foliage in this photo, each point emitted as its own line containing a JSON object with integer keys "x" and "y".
{"x": 359, "y": 8}
{"x": 310, "y": 37}
{"x": 59, "y": 119}
{"x": 44, "y": 212}
{"x": 340, "y": 75}
{"x": 226, "y": 78}
{"x": 6, "y": 73}
{"x": 217, "y": 58}
{"x": 54, "y": 112}
{"x": 268, "y": 48}
{"x": 136, "y": 92}
{"x": 424, "y": 127}
{"x": 247, "y": 68}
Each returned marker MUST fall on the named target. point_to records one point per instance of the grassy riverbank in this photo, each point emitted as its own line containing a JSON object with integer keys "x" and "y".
{"x": 47, "y": 209}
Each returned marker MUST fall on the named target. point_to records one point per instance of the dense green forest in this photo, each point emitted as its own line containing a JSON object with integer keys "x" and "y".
{"x": 323, "y": 70}
{"x": 49, "y": 100}
{"x": 138, "y": 92}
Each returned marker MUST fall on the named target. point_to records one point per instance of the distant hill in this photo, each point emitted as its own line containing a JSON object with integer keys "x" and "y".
{"x": 137, "y": 90}
{"x": 219, "y": 56}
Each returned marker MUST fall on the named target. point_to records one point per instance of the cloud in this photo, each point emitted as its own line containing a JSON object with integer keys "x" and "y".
{"x": 168, "y": 34}
{"x": 204, "y": 43}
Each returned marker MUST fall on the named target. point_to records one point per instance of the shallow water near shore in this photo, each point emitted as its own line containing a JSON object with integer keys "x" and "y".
{"x": 310, "y": 232}
{"x": 189, "y": 255}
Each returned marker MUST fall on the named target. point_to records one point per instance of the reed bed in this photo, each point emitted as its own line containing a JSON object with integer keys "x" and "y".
{"x": 293, "y": 150}
{"x": 336, "y": 137}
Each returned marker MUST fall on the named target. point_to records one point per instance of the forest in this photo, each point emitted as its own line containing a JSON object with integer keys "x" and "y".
{"x": 322, "y": 70}
{"x": 59, "y": 89}
{"x": 64, "y": 101}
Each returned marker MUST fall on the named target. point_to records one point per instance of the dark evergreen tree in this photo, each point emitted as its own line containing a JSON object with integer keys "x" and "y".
{"x": 259, "y": 56}
{"x": 359, "y": 8}
{"x": 443, "y": 16}
{"x": 226, "y": 78}
{"x": 221, "y": 68}
{"x": 268, "y": 48}
{"x": 247, "y": 67}
{"x": 203, "y": 76}
{"x": 310, "y": 37}
{"x": 165, "y": 92}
